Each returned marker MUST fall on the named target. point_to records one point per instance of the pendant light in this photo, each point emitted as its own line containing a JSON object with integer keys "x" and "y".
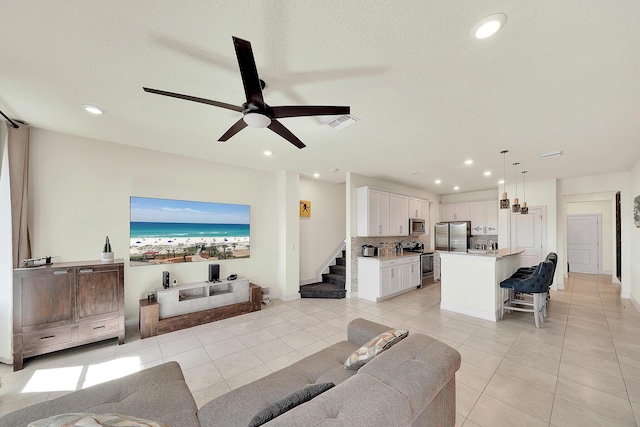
{"x": 515, "y": 208}
{"x": 524, "y": 209}
{"x": 504, "y": 201}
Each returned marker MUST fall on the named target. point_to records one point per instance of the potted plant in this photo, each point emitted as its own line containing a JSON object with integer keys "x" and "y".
{"x": 107, "y": 254}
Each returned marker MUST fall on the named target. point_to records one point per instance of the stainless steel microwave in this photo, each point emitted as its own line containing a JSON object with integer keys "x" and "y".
{"x": 417, "y": 226}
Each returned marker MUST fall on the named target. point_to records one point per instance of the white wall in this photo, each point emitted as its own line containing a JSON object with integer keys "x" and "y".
{"x": 325, "y": 230}
{"x": 6, "y": 264}
{"x": 605, "y": 206}
{"x": 80, "y": 190}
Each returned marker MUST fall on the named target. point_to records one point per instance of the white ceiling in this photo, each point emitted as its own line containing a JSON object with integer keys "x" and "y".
{"x": 560, "y": 75}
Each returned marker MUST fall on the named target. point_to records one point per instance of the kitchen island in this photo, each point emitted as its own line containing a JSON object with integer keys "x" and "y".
{"x": 470, "y": 281}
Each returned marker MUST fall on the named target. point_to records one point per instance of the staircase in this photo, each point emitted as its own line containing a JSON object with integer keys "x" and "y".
{"x": 333, "y": 283}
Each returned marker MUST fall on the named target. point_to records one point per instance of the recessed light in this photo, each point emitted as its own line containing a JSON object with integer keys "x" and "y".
{"x": 268, "y": 153}
{"x": 468, "y": 162}
{"x": 438, "y": 181}
{"x": 316, "y": 175}
{"x": 501, "y": 182}
{"x": 93, "y": 109}
{"x": 489, "y": 26}
{"x": 487, "y": 173}
{"x": 456, "y": 188}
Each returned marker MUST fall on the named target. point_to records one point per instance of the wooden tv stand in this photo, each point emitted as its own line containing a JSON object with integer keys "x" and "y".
{"x": 151, "y": 324}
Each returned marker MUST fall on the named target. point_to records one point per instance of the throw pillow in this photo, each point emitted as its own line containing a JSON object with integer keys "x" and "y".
{"x": 94, "y": 420}
{"x": 374, "y": 347}
{"x": 288, "y": 403}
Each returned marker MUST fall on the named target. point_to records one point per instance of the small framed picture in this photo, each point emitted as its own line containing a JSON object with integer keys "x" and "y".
{"x": 305, "y": 209}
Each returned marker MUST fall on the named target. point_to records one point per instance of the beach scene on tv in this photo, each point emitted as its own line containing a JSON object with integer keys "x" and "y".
{"x": 164, "y": 231}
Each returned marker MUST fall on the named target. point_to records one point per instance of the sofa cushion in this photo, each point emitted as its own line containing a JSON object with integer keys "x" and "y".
{"x": 418, "y": 368}
{"x": 374, "y": 347}
{"x": 158, "y": 393}
{"x": 288, "y": 403}
{"x": 361, "y": 401}
{"x": 86, "y": 420}
{"x": 237, "y": 407}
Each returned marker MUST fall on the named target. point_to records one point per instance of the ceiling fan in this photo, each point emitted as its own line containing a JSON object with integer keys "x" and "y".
{"x": 256, "y": 113}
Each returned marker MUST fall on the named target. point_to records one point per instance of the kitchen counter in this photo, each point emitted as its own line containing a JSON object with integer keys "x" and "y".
{"x": 470, "y": 282}
{"x": 394, "y": 256}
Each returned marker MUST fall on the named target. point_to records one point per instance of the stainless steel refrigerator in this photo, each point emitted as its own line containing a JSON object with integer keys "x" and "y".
{"x": 454, "y": 236}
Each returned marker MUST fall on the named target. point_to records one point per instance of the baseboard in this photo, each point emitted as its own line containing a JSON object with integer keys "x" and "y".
{"x": 482, "y": 314}
{"x": 614, "y": 279}
{"x": 351, "y": 294}
{"x": 635, "y": 302}
{"x": 310, "y": 281}
{"x": 291, "y": 297}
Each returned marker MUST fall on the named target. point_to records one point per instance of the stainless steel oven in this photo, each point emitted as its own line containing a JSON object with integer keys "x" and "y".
{"x": 426, "y": 262}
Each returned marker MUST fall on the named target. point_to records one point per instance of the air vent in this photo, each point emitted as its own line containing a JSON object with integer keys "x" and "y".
{"x": 340, "y": 122}
{"x": 551, "y": 154}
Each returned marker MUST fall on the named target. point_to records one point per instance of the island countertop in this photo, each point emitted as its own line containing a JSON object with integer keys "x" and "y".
{"x": 499, "y": 253}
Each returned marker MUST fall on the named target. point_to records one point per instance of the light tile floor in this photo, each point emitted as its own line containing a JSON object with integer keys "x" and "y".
{"x": 581, "y": 368}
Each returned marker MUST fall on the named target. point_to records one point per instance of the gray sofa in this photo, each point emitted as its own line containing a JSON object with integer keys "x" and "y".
{"x": 411, "y": 383}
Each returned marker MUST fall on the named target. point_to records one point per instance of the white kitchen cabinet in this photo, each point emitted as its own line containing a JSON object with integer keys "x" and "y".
{"x": 398, "y": 215}
{"x": 455, "y": 212}
{"x": 411, "y": 273}
{"x": 484, "y": 218}
{"x": 390, "y": 278}
{"x": 382, "y": 278}
{"x": 415, "y": 208}
{"x": 372, "y": 211}
{"x": 492, "y": 217}
{"x": 418, "y": 208}
{"x": 426, "y": 215}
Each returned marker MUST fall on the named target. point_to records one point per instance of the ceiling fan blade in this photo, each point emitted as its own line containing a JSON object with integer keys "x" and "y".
{"x": 194, "y": 99}
{"x": 308, "y": 110}
{"x": 237, "y": 127}
{"x": 278, "y": 128}
{"x": 249, "y": 73}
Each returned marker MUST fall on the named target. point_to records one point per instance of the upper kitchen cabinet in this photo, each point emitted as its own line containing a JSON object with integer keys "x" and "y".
{"x": 455, "y": 212}
{"x": 484, "y": 218}
{"x": 418, "y": 208}
{"x": 372, "y": 210}
{"x": 398, "y": 215}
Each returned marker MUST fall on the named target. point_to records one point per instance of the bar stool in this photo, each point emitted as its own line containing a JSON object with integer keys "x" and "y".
{"x": 536, "y": 284}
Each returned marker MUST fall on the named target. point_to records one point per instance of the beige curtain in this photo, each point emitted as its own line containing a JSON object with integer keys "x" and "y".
{"x": 18, "y": 151}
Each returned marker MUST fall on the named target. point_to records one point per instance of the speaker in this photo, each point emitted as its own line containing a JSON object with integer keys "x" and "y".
{"x": 214, "y": 272}
{"x": 165, "y": 279}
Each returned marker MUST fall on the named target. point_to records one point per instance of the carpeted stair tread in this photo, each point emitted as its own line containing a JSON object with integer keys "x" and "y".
{"x": 322, "y": 290}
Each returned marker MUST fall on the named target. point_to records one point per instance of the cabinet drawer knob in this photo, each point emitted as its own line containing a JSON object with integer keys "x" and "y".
{"x": 98, "y": 327}
{"x": 60, "y": 271}
{"x": 47, "y": 337}
{"x": 86, "y": 270}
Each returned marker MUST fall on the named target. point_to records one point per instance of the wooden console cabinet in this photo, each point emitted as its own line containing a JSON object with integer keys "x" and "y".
{"x": 65, "y": 305}
{"x": 151, "y": 324}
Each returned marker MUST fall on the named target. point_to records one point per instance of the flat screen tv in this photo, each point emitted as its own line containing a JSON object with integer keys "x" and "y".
{"x": 164, "y": 231}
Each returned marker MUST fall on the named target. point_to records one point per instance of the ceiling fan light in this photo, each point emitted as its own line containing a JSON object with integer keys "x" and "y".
{"x": 257, "y": 120}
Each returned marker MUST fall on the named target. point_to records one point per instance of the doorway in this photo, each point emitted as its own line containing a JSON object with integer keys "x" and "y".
{"x": 584, "y": 233}
{"x": 529, "y": 233}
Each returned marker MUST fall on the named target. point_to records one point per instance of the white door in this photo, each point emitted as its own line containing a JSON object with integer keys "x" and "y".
{"x": 583, "y": 243}
{"x": 528, "y": 232}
